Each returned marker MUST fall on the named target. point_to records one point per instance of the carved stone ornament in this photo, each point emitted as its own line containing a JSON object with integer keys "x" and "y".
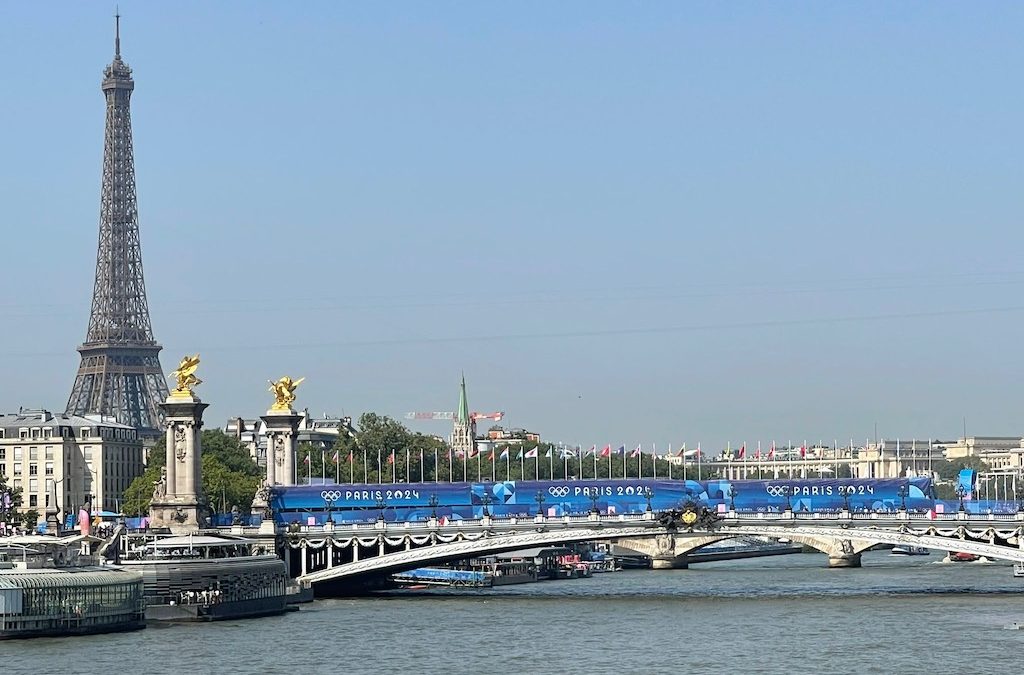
{"x": 666, "y": 543}
{"x": 279, "y": 450}
{"x": 179, "y": 443}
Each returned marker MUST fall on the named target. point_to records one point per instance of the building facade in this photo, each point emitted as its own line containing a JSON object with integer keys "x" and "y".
{"x": 60, "y": 461}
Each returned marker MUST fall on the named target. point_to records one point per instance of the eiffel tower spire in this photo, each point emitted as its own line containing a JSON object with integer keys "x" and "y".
{"x": 120, "y": 373}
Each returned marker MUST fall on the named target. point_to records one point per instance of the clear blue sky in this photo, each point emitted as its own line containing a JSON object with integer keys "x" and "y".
{"x": 626, "y": 222}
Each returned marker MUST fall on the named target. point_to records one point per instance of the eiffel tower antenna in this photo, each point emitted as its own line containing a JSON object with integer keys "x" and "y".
{"x": 120, "y": 373}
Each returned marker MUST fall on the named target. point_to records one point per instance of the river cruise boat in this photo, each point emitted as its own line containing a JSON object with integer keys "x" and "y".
{"x": 909, "y": 550}
{"x": 205, "y": 577}
{"x": 52, "y": 586}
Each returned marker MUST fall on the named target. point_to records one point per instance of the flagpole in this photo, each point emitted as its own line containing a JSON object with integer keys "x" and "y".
{"x": 366, "y": 478}
{"x": 698, "y": 460}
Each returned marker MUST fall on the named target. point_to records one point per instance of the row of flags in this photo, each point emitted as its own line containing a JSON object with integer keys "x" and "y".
{"x": 593, "y": 451}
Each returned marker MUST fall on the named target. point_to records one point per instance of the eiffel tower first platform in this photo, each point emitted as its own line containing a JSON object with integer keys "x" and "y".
{"x": 120, "y": 373}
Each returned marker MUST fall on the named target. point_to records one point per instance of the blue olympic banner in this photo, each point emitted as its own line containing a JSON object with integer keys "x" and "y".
{"x": 348, "y": 503}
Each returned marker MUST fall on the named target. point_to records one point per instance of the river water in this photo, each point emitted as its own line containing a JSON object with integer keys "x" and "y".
{"x": 787, "y": 614}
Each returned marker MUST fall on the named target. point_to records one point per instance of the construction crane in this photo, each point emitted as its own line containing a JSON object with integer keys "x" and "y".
{"x": 496, "y": 416}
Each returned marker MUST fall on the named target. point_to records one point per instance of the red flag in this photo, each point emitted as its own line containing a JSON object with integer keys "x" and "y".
{"x": 391, "y": 457}
{"x": 606, "y": 451}
{"x": 803, "y": 451}
{"x": 743, "y": 451}
{"x": 490, "y": 457}
{"x": 306, "y": 460}
{"x": 635, "y": 453}
{"x": 335, "y": 456}
{"x": 771, "y": 453}
{"x": 351, "y": 459}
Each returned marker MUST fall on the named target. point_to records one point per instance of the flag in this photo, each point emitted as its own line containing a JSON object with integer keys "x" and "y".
{"x": 635, "y": 453}
{"x": 743, "y": 451}
{"x": 530, "y": 454}
{"x": 335, "y": 457}
{"x": 548, "y": 453}
{"x": 606, "y": 451}
{"x": 306, "y": 460}
{"x": 621, "y": 450}
{"x": 520, "y": 455}
{"x": 351, "y": 458}
{"x": 803, "y": 451}
{"x": 490, "y": 457}
{"x": 391, "y": 457}
{"x": 474, "y": 452}
{"x": 591, "y": 451}
{"x": 771, "y": 453}
{"x": 504, "y": 454}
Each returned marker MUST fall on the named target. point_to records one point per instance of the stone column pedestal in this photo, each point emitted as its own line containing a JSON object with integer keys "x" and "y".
{"x": 282, "y": 430}
{"x": 178, "y": 502}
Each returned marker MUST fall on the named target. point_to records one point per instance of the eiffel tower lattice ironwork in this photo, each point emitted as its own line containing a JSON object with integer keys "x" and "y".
{"x": 120, "y": 373}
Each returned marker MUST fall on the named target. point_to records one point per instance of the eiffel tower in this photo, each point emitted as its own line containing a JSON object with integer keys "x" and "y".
{"x": 120, "y": 373}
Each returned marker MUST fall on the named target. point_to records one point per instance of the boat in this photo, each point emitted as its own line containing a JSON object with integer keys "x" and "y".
{"x": 909, "y": 550}
{"x": 961, "y": 557}
{"x": 204, "y": 577}
{"x": 1018, "y": 569}
{"x": 54, "y": 586}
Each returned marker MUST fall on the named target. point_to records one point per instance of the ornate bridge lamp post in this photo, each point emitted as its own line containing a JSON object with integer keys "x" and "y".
{"x": 960, "y": 494}
{"x": 329, "y": 503}
{"x": 786, "y": 491}
{"x": 486, "y": 500}
{"x": 903, "y": 491}
{"x": 540, "y": 505}
{"x": 1020, "y": 503}
{"x": 381, "y": 505}
{"x": 732, "y": 501}
{"x": 648, "y": 494}
{"x": 432, "y": 503}
{"x": 846, "y": 504}
{"x": 595, "y": 512}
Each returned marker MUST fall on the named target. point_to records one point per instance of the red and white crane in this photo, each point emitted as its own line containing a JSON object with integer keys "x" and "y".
{"x": 496, "y": 416}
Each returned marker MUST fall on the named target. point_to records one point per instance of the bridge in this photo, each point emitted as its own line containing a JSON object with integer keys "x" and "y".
{"x": 337, "y": 559}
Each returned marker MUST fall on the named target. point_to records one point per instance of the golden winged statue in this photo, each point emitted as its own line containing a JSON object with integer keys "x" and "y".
{"x": 186, "y": 376}
{"x": 284, "y": 392}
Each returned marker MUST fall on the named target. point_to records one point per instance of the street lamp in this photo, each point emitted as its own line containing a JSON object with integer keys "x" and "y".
{"x": 961, "y": 493}
{"x": 432, "y": 502}
{"x": 1020, "y": 499}
{"x": 486, "y": 500}
{"x": 330, "y": 508}
{"x": 648, "y": 493}
{"x": 786, "y": 491}
{"x": 732, "y": 497}
{"x": 540, "y": 503}
{"x": 593, "y": 504}
{"x": 381, "y": 505}
{"x": 903, "y": 491}
{"x": 846, "y": 501}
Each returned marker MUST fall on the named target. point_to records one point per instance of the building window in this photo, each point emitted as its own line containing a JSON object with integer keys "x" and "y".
{"x": 33, "y": 485}
{"x": 22, "y": 433}
{"x": 85, "y": 432}
{"x": 33, "y": 500}
{"x": 3, "y": 454}
{"x": 17, "y": 454}
{"x": 2, "y": 433}
{"x": 33, "y": 453}
{"x": 17, "y": 469}
{"x": 47, "y": 432}
{"x": 87, "y": 452}
{"x": 33, "y": 469}
{"x": 17, "y": 483}
{"x": 35, "y": 432}
{"x": 49, "y": 468}
{"x": 49, "y": 452}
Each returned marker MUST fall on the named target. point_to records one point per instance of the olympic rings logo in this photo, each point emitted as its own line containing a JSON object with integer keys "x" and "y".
{"x": 330, "y": 495}
{"x": 558, "y": 491}
{"x": 777, "y": 490}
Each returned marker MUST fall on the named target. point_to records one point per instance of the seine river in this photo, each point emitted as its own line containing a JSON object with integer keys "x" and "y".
{"x": 771, "y": 615}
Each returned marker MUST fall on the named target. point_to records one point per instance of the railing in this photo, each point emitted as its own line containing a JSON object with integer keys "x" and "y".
{"x": 645, "y": 520}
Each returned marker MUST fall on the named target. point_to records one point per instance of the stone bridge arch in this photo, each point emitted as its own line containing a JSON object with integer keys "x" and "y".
{"x": 673, "y": 550}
